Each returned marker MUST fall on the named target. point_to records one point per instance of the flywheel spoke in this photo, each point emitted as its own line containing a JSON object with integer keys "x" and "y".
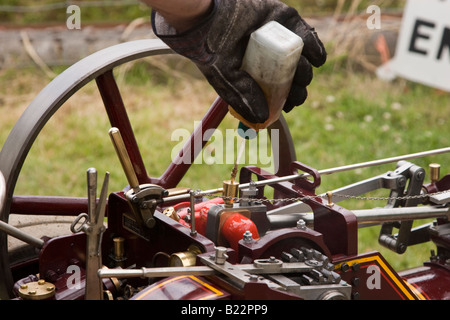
{"x": 118, "y": 118}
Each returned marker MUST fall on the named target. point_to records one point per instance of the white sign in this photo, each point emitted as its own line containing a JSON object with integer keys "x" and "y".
{"x": 423, "y": 47}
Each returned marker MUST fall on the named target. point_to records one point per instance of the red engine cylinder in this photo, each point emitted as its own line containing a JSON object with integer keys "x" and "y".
{"x": 234, "y": 228}
{"x": 201, "y": 213}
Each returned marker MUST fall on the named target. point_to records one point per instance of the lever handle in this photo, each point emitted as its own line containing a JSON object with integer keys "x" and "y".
{"x": 124, "y": 158}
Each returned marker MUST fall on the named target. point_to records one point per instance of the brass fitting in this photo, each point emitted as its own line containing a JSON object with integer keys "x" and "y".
{"x": 184, "y": 259}
{"x": 119, "y": 251}
{"x": 171, "y": 213}
{"x": 37, "y": 290}
{"x": 435, "y": 169}
{"x": 119, "y": 247}
{"x": 330, "y": 199}
{"x": 230, "y": 191}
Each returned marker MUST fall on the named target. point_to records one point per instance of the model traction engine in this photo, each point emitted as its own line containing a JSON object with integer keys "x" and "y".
{"x": 180, "y": 244}
{"x": 233, "y": 242}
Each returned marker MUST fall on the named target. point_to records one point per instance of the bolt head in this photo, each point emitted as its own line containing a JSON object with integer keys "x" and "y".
{"x": 301, "y": 224}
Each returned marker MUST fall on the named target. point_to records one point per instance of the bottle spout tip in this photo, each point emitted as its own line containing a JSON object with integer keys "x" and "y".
{"x": 246, "y": 132}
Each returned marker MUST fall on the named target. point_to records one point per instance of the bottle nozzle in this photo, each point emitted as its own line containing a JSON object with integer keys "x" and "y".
{"x": 246, "y": 132}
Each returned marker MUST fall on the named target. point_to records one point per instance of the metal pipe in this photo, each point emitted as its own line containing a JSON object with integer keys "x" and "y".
{"x": 321, "y": 172}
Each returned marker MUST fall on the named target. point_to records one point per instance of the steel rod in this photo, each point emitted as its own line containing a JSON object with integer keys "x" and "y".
{"x": 192, "y": 210}
{"x": 211, "y": 268}
{"x": 385, "y": 161}
{"x": 399, "y": 214}
{"x": 321, "y": 172}
{"x": 369, "y": 216}
{"x": 156, "y": 272}
{"x": 19, "y": 234}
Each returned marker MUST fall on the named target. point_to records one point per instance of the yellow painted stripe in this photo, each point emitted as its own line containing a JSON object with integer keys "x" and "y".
{"x": 398, "y": 282}
{"x": 215, "y": 291}
{"x": 158, "y": 286}
{"x": 419, "y": 295}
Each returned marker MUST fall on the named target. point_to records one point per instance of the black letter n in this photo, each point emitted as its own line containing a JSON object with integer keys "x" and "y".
{"x": 445, "y": 42}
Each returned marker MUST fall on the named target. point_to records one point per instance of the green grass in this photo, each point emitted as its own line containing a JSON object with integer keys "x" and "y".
{"x": 44, "y": 13}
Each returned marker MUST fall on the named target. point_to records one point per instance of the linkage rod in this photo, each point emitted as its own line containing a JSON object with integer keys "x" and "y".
{"x": 156, "y": 272}
{"x": 19, "y": 234}
{"x": 321, "y": 172}
{"x": 13, "y": 231}
{"x": 368, "y": 217}
{"x": 385, "y": 161}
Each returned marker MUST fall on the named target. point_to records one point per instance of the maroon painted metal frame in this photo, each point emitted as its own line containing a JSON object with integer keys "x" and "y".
{"x": 338, "y": 225}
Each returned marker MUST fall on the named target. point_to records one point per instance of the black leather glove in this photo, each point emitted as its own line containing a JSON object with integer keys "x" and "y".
{"x": 217, "y": 46}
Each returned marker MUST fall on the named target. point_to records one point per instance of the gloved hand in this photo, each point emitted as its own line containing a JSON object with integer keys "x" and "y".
{"x": 217, "y": 46}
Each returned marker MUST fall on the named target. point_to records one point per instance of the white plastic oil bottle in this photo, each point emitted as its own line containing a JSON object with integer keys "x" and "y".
{"x": 271, "y": 58}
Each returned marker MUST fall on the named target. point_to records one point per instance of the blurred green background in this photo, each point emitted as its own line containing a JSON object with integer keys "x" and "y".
{"x": 25, "y": 12}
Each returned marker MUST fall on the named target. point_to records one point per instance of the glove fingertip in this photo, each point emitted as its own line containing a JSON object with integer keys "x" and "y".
{"x": 314, "y": 49}
{"x": 296, "y": 97}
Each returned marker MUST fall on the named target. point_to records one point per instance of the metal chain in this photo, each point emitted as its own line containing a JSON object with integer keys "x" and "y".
{"x": 304, "y": 198}
{"x": 418, "y": 196}
{"x": 235, "y": 199}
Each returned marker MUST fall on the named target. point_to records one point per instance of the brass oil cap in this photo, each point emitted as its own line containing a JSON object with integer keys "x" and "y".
{"x": 434, "y": 171}
{"x": 37, "y": 290}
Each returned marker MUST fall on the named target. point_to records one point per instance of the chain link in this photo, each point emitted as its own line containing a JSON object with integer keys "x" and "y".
{"x": 304, "y": 198}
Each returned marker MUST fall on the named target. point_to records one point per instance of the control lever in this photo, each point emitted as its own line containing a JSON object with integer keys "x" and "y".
{"x": 93, "y": 225}
{"x": 124, "y": 158}
{"x": 143, "y": 198}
